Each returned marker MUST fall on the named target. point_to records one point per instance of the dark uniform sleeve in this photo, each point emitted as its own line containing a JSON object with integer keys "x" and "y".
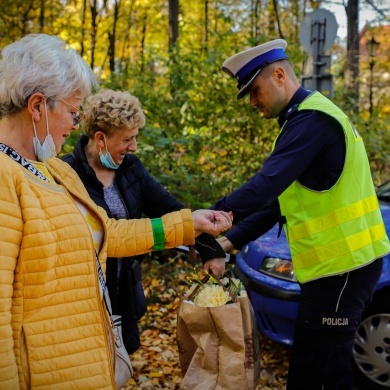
{"x": 208, "y": 247}
{"x": 254, "y": 226}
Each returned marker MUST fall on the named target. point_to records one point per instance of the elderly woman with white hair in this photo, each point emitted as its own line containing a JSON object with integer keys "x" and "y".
{"x": 54, "y": 328}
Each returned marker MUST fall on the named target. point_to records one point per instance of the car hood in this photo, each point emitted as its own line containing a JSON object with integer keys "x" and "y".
{"x": 385, "y": 209}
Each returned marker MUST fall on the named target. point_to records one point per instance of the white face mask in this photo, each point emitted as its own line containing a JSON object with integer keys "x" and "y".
{"x": 47, "y": 149}
{"x": 106, "y": 159}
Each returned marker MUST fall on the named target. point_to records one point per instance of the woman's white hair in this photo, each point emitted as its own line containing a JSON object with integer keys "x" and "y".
{"x": 41, "y": 63}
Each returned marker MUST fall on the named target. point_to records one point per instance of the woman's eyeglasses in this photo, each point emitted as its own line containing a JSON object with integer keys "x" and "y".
{"x": 77, "y": 116}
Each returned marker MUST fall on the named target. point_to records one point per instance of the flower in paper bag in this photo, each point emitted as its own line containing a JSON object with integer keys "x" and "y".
{"x": 201, "y": 332}
{"x": 212, "y": 296}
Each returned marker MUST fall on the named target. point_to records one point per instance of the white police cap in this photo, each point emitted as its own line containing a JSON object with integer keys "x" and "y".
{"x": 246, "y": 65}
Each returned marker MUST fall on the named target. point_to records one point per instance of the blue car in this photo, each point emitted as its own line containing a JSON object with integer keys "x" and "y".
{"x": 265, "y": 268}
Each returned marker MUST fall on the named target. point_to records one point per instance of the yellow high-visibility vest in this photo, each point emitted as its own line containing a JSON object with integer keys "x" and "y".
{"x": 339, "y": 229}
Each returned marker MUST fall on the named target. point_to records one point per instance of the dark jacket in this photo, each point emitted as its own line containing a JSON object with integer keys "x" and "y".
{"x": 142, "y": 196}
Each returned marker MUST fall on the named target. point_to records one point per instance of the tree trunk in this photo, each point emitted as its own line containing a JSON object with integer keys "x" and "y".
{"x": 25, "y": 19}
{"x": 127, "y": 39}
{"x": 255, "y": 28}
{"x": 173, "y": 22}
{"x": 143, "y": 38}
{"x": 276, "y": 10}
{"x": 82, "y": 48}
{"x": 352, "y": 10}
{"x": 173, "y": 36}
{"x": 206, "y": 25}
{"x": 42, "y": 16}
{"x": 94, "y": 13}
{"x": 112, "y": 37}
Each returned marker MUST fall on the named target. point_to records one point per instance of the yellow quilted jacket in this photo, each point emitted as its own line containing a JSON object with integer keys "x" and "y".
{"x": 52, "y": 318}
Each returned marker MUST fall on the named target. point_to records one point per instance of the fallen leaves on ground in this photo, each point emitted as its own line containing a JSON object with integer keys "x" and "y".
{"x": 156, "y": 363}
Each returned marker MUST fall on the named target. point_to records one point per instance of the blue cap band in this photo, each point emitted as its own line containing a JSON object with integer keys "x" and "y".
{"x": 259, "y": 62}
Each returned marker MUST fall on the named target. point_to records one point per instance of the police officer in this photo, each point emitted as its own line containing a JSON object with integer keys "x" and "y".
{"x": 317, "y": 183}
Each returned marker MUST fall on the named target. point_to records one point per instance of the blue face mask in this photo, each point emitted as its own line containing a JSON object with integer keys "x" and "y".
{"x": 106, "y": 159}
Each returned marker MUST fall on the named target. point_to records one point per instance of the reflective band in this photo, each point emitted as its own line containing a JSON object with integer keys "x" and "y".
{"x": 158, "y": 234}
{"x": 336, "y": 217}
{"x": 339, "y": 248}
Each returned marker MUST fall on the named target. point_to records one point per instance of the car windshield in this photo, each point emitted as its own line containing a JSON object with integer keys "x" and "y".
{"x": 384, "y": 191}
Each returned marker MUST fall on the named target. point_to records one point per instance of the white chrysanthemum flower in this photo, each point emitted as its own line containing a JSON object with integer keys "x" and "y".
{"x": 212, "y": 296}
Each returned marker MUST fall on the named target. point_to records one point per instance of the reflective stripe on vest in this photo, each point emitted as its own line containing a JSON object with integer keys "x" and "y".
{"x": 336, "y": 217}
{"x": 340, "y": 248}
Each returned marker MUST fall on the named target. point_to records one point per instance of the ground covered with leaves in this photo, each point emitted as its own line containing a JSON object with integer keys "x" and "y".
{"x": 156, "y": 363}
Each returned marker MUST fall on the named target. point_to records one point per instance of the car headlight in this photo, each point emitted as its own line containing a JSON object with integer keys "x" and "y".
{"x": 279, "y": 268}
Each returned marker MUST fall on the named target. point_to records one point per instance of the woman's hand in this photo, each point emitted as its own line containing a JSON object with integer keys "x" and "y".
{"x": 211, "y": 221}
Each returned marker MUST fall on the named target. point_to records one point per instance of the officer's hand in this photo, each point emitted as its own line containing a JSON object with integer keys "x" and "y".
{"x": 215, "y": 266}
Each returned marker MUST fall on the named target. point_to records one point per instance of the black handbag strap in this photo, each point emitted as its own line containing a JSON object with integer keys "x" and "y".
{"x": 22, "y": 161}
{"x": 104, "y": 286}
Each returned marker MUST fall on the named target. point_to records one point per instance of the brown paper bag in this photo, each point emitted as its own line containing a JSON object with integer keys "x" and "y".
{"x": 218, "y": 346}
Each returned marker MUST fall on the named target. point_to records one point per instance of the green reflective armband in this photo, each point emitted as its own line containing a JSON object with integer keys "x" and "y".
{"x": 158, "y": 234}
